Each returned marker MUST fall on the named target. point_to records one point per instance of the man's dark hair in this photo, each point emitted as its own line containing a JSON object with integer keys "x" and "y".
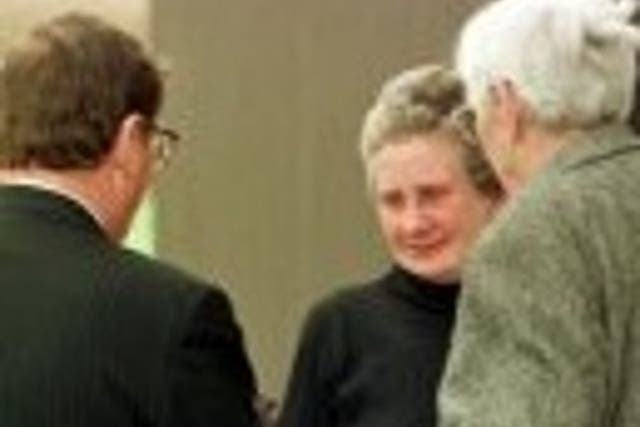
{"x": 65, "y": 89}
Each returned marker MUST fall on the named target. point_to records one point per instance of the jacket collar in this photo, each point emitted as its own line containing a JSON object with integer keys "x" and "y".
{"x": 48, "y": 206}
{"x": 596, "y": 145}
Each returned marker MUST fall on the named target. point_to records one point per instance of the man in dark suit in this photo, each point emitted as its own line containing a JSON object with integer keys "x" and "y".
{"x": 92, "y": 334}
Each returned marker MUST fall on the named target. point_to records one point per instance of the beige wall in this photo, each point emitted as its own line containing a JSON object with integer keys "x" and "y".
{"x": 19, "y": 15}
{"x": 267, "y": 192}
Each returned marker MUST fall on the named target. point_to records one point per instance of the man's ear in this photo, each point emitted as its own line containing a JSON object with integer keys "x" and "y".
{"x": 129, "y": 145}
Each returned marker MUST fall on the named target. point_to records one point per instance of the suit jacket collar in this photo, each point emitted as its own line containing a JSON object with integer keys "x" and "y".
{"x": 48, "y": 206}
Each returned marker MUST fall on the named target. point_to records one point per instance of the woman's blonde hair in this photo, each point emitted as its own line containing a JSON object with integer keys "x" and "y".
{"x": 420, "y": 101}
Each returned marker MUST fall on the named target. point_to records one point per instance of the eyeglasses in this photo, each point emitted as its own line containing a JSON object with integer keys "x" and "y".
{"x": 164, "y": 144}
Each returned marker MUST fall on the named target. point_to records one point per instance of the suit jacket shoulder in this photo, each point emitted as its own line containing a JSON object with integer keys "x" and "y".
{"x": 95, "y": 335}
{"x": 181, "y": 332}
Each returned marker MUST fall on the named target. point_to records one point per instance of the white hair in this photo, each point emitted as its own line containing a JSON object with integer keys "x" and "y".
{"x": 571, "y": 61}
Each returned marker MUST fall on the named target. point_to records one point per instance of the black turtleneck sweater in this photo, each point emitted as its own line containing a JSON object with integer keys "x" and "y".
{"x": 372, "y": 355}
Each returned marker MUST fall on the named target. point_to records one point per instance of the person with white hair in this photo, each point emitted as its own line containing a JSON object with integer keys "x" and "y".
{"x": 548, "y": 329}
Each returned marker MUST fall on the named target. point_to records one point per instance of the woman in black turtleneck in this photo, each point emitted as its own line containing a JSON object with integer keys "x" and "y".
{"x": 372, "y": 355}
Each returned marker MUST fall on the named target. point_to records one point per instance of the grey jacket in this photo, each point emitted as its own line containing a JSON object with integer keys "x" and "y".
{"x": 548, "y": 330}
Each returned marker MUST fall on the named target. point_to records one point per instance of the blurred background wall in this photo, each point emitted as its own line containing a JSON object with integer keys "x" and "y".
{"x": 266, "y": 193}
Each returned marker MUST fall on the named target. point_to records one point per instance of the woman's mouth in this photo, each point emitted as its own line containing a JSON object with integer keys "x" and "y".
{"x": 424, "y": 247}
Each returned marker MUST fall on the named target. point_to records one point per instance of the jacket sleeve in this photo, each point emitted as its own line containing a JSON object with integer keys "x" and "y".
{"x": 530, "y": 345}
{"x": 211, "y": 381}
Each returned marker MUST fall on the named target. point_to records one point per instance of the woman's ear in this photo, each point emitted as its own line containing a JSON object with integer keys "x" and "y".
{"x": 507, "y": 127}
{"x": 511, "y": 110}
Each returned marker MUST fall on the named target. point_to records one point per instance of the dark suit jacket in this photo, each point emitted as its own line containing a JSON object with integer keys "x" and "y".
{"x": 95, "y": 335}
